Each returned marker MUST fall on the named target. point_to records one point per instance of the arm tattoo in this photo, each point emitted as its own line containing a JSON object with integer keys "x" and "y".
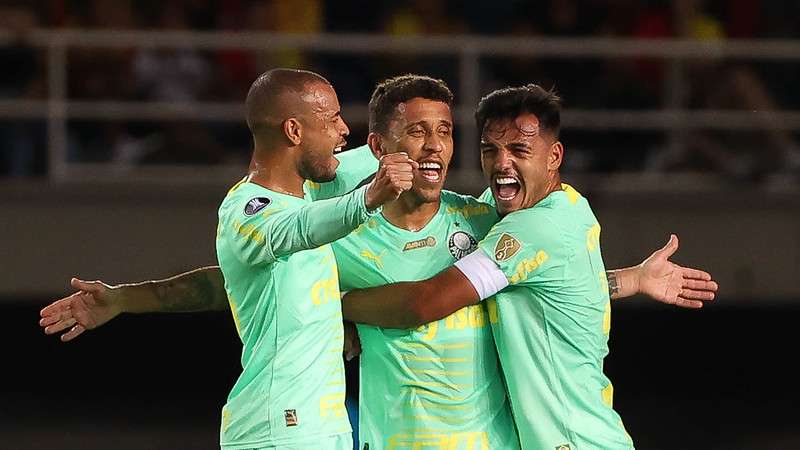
{"x": 195, "y": 291}
{"x": 613, "y": 285}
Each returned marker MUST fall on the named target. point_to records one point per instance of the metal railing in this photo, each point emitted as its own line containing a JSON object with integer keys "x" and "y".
{"x": 675, "y": 119}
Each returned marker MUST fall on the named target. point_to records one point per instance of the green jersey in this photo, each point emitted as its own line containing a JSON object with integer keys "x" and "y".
{"x": 554, "y": 320}
{"x": 437, "y": 387}
{"x": 282, "y": 284}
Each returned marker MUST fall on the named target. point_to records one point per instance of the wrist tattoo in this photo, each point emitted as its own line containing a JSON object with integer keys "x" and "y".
{"x": 613, "y": 284}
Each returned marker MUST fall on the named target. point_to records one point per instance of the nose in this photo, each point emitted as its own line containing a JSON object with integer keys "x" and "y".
{"x": 434, "y": 143}
{"x": 344, "y": 130}
{"x": 502, "y": 160}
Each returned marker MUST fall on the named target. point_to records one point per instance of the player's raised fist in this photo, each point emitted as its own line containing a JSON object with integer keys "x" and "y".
{"x": 395, "y": 175}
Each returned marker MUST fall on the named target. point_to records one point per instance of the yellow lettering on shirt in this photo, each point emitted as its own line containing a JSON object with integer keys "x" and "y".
{"x": 332, "y": 405}
{"x": 526, "y": 266}
{"x": 469, "y": 210}
{"x": 608, "y": 395}
{"x": 249, "y": 232}
{"x": 235, "y": 315}
{"x": 602, "y": 277}
{"x": 430, "y": 330}
{"x": 607, "y": 319}
{"x": 593, "y": 237}
{"x": 471, "y": 440}
{"x": 323, "y": 291}
{"x": 491, "y": 308}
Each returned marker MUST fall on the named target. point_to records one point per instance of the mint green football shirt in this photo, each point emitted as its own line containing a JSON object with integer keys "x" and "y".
{"x": 282, "y": 284}
{"x": 438, "y": 387}
{"x": 553, "y": 325}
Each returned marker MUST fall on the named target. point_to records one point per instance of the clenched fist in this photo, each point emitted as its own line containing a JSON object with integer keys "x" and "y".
{"x": 395, "y": 175}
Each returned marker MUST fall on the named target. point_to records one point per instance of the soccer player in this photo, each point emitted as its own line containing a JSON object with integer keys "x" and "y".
{"x": 542, "y": 270}
{"x": 280, "y": 275}
{"x": 408, "y": 398}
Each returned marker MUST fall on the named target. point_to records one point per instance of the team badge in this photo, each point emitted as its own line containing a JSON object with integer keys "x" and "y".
{"x": 563, "y": 447}
{"x": 461, "y": 244}
{"x": 506, "y": 247}
{"x": 429, "y": 241}
{"x": 291, "y": 417}
{"x": 255, "y": 205}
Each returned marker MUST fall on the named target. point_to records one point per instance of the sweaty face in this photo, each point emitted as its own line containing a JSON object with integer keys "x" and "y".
{"x": 423, "y": 129}
{"x": 324, "y": 133}
{"x": 517, "y": 161}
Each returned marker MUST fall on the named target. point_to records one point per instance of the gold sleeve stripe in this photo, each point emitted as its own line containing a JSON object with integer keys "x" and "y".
{"x": 436, "y": 384}
{"x": 436, "y": 346}
{"x": 454, "y": 373}
{"x": 434, "y": 359}
{"x": 429, "y": 405}
{"x": 422, "y": 393}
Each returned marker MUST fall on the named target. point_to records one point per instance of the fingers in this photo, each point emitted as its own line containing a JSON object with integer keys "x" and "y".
{"x": 52, "y": 312}
{"x": 73, "y": 333}
{"x": 688, "y": 272}
{"x": 692, "y": 294}
{"x": 61, "y": 325}
{"x": 686, "y": 303}
{"x": 700, "y": 285}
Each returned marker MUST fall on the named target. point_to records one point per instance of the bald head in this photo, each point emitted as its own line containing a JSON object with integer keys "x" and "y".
{"x": 277, "y": 95}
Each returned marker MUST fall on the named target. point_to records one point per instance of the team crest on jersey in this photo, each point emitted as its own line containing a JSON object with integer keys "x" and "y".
{"x": 563, "y": 447}
{"x": 506, "y": 247}
{"x": 429, "y": 241}
{"x": 291, "y": 417}
{"x": 461, "y": 244}
{"x": 255, "y": 205}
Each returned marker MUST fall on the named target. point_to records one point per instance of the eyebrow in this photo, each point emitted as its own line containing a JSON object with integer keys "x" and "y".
{"x": 518, "y": 144}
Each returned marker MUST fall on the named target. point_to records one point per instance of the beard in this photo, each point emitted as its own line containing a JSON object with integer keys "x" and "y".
{"x": 318, "y": 169}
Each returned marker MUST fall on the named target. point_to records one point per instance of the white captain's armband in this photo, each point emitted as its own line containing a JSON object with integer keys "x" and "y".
{"x": 484, "y": 274}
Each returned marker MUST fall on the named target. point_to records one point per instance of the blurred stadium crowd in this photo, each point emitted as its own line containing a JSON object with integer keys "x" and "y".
{"x": 188, "y": 75}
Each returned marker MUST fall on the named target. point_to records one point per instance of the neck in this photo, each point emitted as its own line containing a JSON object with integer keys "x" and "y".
{"x": 409, "y": 212}
{"x": 275, "y": 170}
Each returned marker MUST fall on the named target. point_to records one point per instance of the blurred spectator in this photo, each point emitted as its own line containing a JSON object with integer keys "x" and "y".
{"x": 21, "y": 142}
{"x": 723, "y": 85}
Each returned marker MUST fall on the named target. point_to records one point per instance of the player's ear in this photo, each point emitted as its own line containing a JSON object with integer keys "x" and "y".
{"x": 375, "y": 142}
{"x": 556, "y": 156}
{"x": 293, "y": 130}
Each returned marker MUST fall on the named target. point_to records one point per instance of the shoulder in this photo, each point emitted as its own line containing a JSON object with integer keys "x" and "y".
{"x": 247, "y": 200}
{"x": 360, "y": 155}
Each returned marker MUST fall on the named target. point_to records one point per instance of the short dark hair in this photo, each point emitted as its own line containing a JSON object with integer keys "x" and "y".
{"x": 510, "y": 102}
{"x": 262, "y": 98}
{"x": 390, "y": 93}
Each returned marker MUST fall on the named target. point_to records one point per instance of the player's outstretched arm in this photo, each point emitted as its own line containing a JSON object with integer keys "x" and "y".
{"x": 410, "y": 304}
{"x": 96, "y": 302}
{"x": 269, "y": 236}
{"x": 663, "y": 280}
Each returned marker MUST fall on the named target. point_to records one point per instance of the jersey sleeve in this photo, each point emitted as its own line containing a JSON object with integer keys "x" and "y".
{"x": 273, "y": 232}
{"x": 355, "y": 166}
{"x": 487, "y": 197}
{"x": 527, "y": 246}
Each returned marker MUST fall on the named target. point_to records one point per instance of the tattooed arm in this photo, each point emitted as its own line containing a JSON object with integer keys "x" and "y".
{"x": 663, "y": 280}
{"x": 96, "y": 303}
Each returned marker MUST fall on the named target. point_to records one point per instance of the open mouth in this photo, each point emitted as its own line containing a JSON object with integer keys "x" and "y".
{"x": 431, "y": 171}
{"x": 339, "y": 147}
{"x": 506, "y": 187}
